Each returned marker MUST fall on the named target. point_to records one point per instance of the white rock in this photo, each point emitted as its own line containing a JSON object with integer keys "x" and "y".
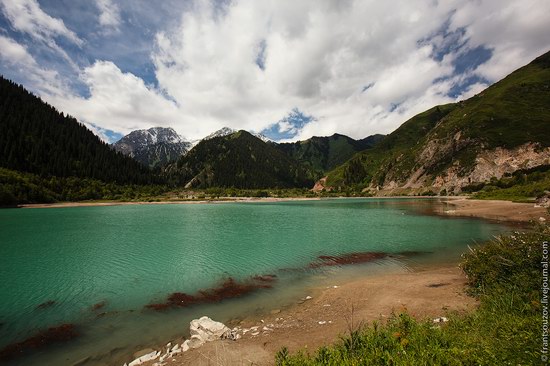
{"x": 255, "y": 333}
{"x": 309, "y": 297}
{"x": 206, "y": 329}
{"x": 322, "y": 322}
{"x": 441, "y": 319}
{"x": 176, "y": 348}
{"x": 542, "y": 219}
{"x": 185, "y": 346}
{"x": 148, "y": 357}
{"x": 195, "y": 342}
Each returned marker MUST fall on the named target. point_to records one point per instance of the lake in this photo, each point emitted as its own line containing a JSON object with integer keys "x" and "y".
{"x": 99, "y": 267}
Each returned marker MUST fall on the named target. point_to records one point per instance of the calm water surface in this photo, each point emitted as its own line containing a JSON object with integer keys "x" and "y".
{"x": 130, "y": 256}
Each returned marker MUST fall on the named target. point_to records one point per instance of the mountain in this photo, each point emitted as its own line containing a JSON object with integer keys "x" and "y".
{"x": 36, "y": 138}
{"x": 323, "y": 154}
{"x": 154, "y": 147}
{"x": 238, "y": 160}
{"x": 226, "y": 131}
{"x": 450, "y": 147}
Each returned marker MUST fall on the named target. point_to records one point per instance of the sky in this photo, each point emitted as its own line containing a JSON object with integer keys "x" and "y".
{"x": 287, "y": 69}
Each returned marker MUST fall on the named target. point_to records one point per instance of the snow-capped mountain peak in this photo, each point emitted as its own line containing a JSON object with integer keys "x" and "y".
{"x": 154, "y": 146}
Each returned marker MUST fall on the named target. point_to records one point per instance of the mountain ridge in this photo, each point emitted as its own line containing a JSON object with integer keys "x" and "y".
{"x": 153, "y": 147}
{"x": 504, "y": 128}
{"x": 238, "y": 160}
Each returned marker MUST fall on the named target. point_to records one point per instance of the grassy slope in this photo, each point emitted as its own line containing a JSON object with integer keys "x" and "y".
{"x": 325, "y": 153}
{"x": 511, "y": 112}
{"x": 505, "y": 329}
{"x": 364, "y": 167}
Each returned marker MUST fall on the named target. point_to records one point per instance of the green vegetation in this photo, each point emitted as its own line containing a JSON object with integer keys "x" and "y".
{"x": 521, "y": 186}
{"x": 396, "y": 151}
{"x": 19, "y": 188}
{"x": 323, "y": 154}
{"x": 36, "y": 138}
{"x": 505, "y": 274}
{"x": 512, "y": 112}
{"x": 238, "y": 160}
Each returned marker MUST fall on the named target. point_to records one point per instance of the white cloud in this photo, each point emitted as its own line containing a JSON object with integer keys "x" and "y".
{"x": 119, "y": 101}
{"x": 317, "y": 56}
{"x": 17, "y": 57}
{"x": 517, "y": 31}
{"x": 109, "y": 15}
{"x": 26, "y": 16}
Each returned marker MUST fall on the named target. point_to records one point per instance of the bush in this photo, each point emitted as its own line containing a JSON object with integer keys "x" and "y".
{"x": 505, "y": 330}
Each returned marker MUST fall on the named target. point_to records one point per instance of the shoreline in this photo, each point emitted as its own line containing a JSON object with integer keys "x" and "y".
{"x": 426, "y": 293}
{"x": 496, "y": 210}
{"x": 219, "y": 200}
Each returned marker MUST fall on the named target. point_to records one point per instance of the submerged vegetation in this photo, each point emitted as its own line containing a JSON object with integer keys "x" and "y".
{"x": 504, "y": 274}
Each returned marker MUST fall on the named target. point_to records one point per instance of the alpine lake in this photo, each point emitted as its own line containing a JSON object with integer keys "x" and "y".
{"x": 108, "y": 272}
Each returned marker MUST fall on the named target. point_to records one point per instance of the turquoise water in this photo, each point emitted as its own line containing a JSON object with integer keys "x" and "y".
{"x": 130, "y": 256}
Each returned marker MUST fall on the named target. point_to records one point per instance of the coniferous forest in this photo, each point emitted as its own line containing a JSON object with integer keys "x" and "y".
{"x": 38, "y": 139}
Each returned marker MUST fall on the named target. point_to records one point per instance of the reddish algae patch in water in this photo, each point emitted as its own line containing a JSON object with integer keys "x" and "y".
{"x": 228, "y": 289}
{"x": 61, "y": 333}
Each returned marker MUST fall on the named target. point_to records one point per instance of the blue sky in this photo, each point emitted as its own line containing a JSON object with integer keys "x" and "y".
{"x": 287, "y": 69}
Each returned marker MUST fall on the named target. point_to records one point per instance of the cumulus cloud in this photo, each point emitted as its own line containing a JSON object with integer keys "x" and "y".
{"x": 118, "y": 101}
{"x": 356, "y": 67}
{"x": 16, "y": 56}
{"x": 109, "y": 16}
{"x": 26, "y": 16}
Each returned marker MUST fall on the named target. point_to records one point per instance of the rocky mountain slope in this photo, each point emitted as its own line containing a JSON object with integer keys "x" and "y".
{"x": 504, "y": 128}
{"x": 323, "y": 154}
{"x": 238, "y": 160}
{"x": 154, "y": 147}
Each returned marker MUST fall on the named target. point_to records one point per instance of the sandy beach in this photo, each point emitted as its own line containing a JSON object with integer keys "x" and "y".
{"x": 496, "y": 210}
{"x": 424, "y": 293}
{"x": 427, "y": 293}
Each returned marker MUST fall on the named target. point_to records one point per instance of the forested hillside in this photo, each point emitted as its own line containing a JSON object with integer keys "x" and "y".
{"x": 36, "y": 138}
{"x": 325, "y": 153}
{"x": 239, "y": 160}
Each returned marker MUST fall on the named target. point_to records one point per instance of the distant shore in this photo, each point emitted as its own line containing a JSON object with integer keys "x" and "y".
{"x": 461, "y": 206}
{"x": 168, "y": 202}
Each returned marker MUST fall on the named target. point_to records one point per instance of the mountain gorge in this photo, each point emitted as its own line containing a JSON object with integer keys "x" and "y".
{"x": 154, "y": 147}
{"x": 503, "y": 129}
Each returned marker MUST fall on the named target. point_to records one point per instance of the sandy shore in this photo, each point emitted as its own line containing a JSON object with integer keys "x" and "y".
{"x": 174, "y": 202}
{"x": 496, "y": 210}
{"x": 309, "y": 324}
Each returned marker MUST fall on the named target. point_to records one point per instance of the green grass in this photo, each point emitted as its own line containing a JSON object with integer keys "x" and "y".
{"x": 511, "y": 112}
{"x": 522, "y": 186}
{"x": 505, "y": 275}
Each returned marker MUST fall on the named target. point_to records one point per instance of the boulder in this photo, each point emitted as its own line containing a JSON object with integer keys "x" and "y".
{"x": 207, "y": 330}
